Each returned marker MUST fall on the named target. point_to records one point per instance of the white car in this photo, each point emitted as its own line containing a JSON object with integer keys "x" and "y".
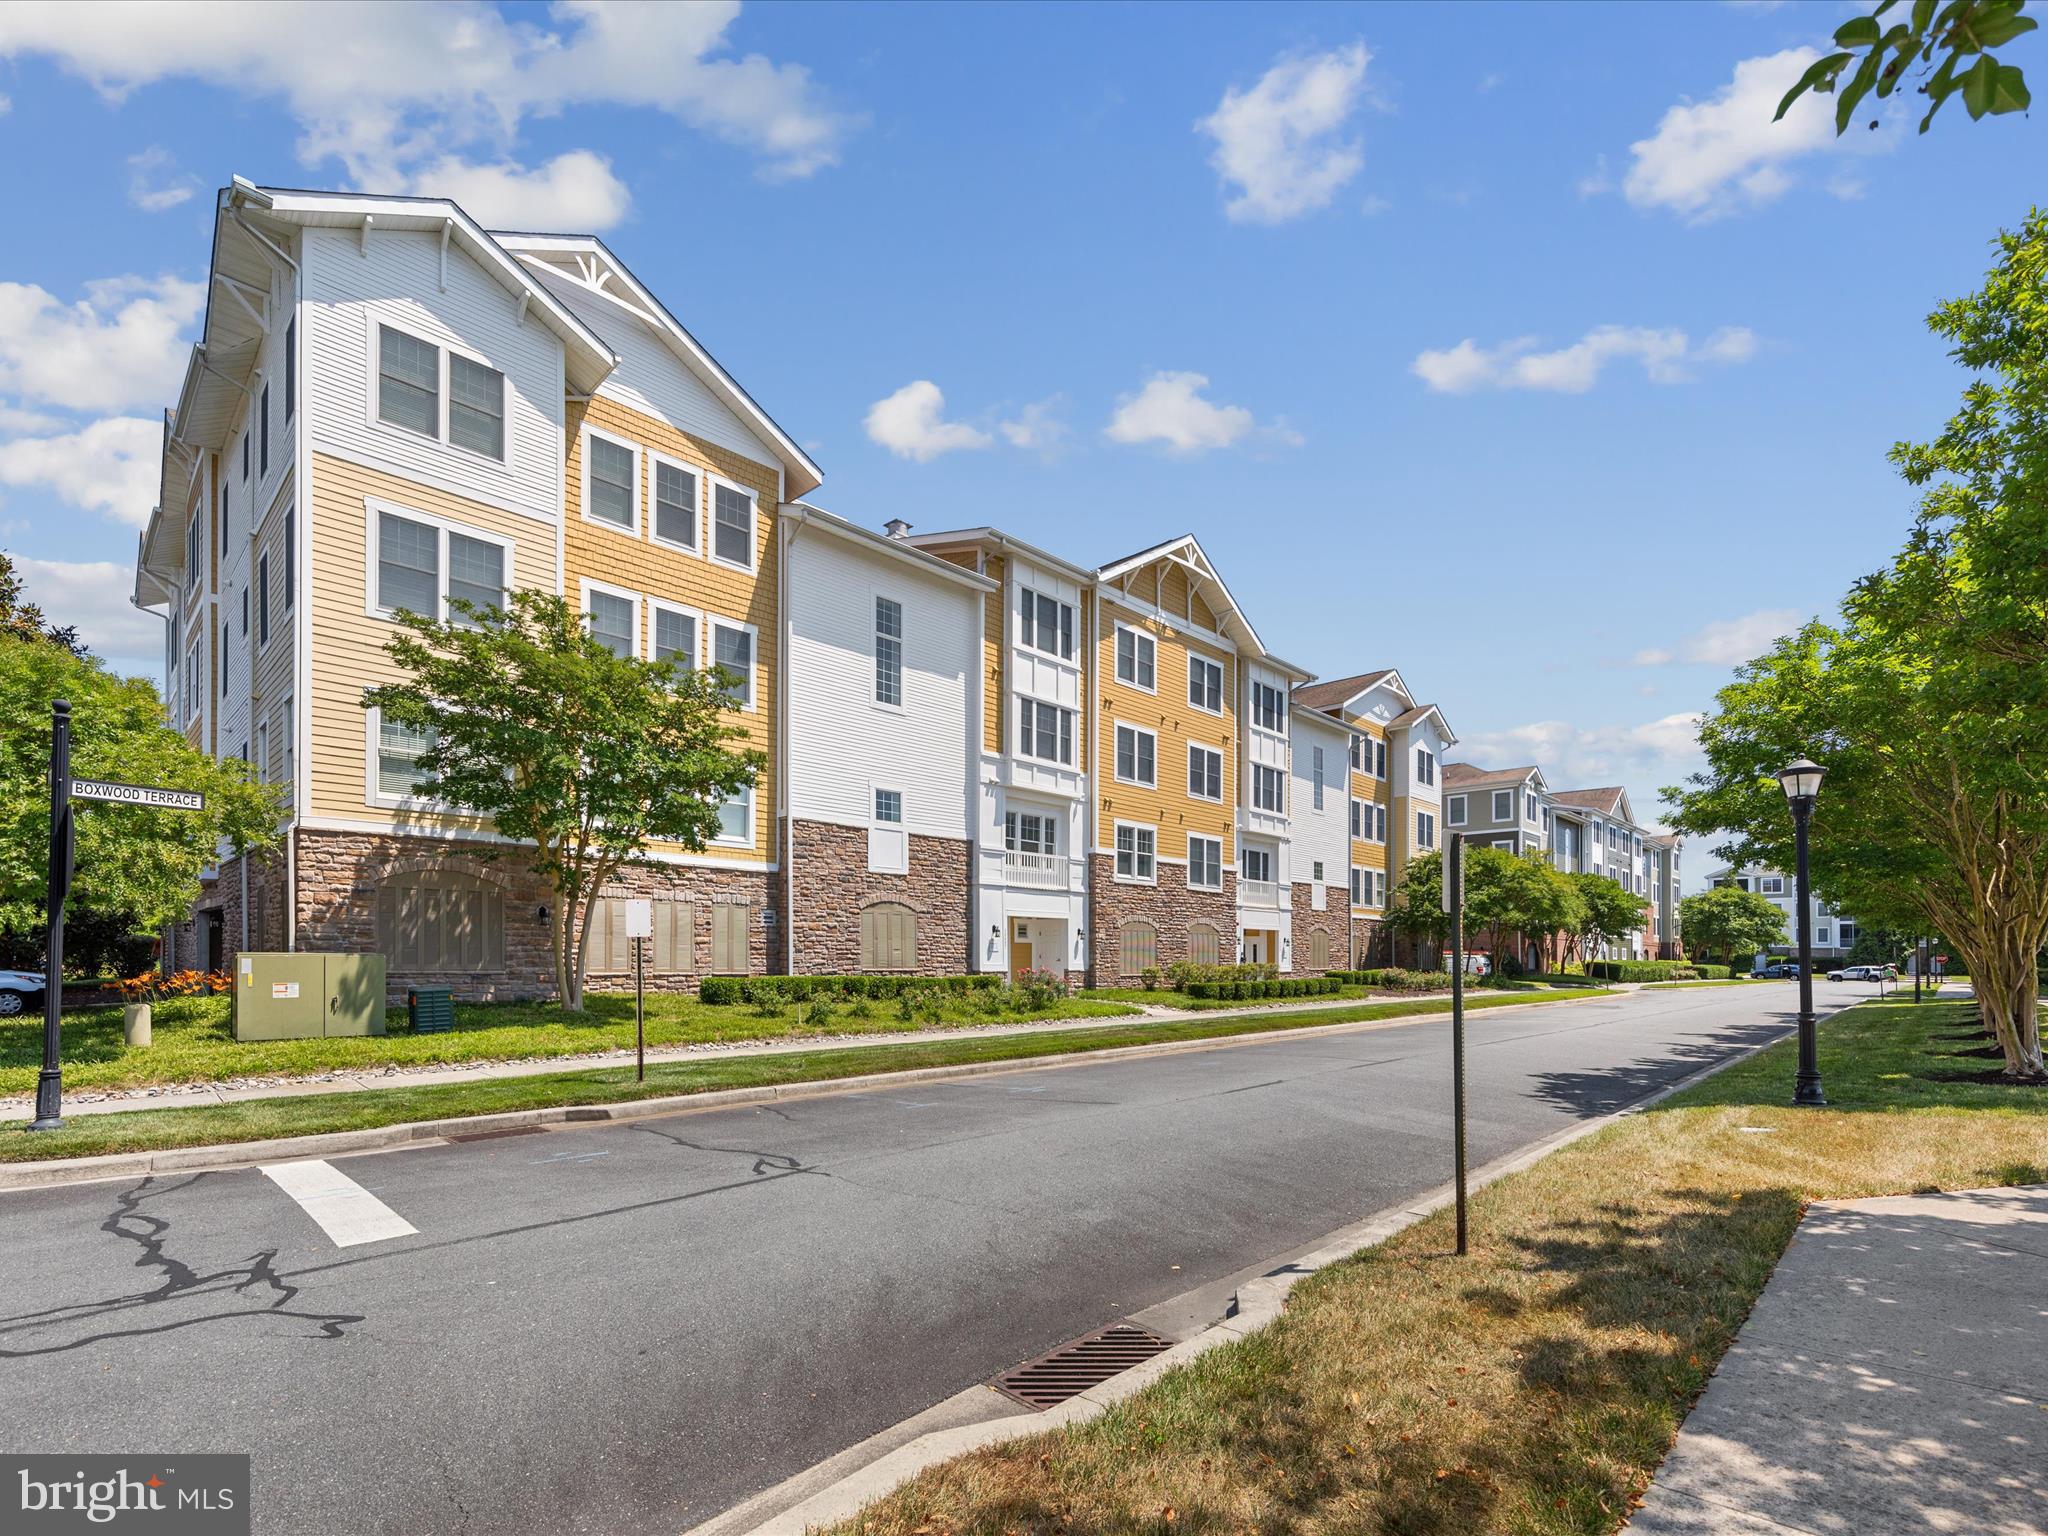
{"x": 19, "y": 992}
{"x": 1863, "y": 973}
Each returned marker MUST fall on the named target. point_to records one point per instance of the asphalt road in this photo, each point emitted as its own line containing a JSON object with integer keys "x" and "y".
{"x": 629, "y": 1328}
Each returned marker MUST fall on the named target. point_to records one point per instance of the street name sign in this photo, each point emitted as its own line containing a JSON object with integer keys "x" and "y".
{"x": 138, "y": 794}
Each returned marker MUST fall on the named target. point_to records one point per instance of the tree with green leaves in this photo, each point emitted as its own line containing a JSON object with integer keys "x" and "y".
{"x": 1506, "y": 895}
{"x": 1417, "y": 910}
{"x": 136, "y": 868}
{"x": 584, "y": 756}
{"x": 1928, "y": 703}
{"x": 1730, "y": 922}
{"x": 1607, "y": 912}
{"x": 25, "y": 621}
{"x": 1964, "y": 35}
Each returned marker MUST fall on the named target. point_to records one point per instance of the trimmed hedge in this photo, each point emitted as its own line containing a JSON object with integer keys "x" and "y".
{"x": 1395, "y": 978}
{"x": 1286, "y": 986}
{"x": 1644, "y": 970}
{"x": 1714, "y": 972}
{"x": 726, "y": 990}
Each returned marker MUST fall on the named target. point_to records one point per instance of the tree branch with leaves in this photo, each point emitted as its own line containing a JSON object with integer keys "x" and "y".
{"x": 1964, "y": 35}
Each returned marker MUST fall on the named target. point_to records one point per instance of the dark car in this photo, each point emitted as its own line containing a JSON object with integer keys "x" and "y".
{"x": 1780, "y": 971}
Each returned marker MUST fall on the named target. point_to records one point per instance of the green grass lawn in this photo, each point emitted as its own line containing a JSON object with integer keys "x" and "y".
{"x": 1533, "y": 1386}
{"x": 1170, "y": 997}
{"x": 194, "y": 1039}
{"x": 137, "y": 1130}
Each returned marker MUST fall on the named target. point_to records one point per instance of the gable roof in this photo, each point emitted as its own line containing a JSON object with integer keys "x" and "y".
{"x": 802, "y": 514}
{"x": 1186, "y": 552}
{"x": 1467, "y": 775}
{"x": 1420, "y": 713}
{"x": 1609, "y": 801}
{"x": 1339, "y": 691}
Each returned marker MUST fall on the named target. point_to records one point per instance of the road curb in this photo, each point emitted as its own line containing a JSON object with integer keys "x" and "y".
{"x": 222, "y": 1156}
{"x": 1258, "y": 1303}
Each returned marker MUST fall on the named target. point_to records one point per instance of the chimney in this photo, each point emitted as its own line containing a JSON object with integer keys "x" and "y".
{"x": 896, "y": 528}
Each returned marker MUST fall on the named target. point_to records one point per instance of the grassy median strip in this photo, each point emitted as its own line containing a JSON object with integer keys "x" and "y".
{"x": 314, "y": 1114}
{"x": 1533, "y": 1386}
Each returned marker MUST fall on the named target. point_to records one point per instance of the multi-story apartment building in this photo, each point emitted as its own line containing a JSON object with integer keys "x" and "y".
{"x": 1834, "y": 934}
{"x": 1501, "y": 808}
{"x": 1396, "y": 811}
{"x": 1662, "y": 854}
{"x": 1595, "y": 830}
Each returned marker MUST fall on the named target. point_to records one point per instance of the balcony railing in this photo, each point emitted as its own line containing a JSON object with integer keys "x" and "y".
{"x": 1046, "y": 870}
{"x": 1258, "y": 893}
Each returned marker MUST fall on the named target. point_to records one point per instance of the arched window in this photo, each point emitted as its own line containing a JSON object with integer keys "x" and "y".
{"x": 1137, "y": 949}
{"x": 888, "y": 937}
{"x": 1319, "y": 949}
{"x": 1205, "y": 944}
{"x": 441, "y": 920}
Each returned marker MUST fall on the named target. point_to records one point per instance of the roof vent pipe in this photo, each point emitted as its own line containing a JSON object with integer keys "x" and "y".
{"x": 896, "y": 528}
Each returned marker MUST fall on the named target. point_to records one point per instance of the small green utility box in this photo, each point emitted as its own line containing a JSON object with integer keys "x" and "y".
{"x": 431, "y": 1009}
{"x": 304, "y": 996}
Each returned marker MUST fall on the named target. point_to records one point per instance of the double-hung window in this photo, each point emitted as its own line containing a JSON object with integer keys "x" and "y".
{"x": 423, "y": 565}
{"x": 1528, "y": 806}
{"x": 412, "y": 395}
{"x": 614, "y": 621}
{"x": 1269, "y": 788}
{"x": 1269, "y": 707}
{"x": 1030, "y": 832}
{"x": 732, "y": 525}
{"x": 476, "y": 572}
{"x": 1503, "y": 804}
{"x": 1136, "y": 658}
{"x": 1425, "y": 766}
{"x": 611, "y": 482}
{"x": 1205, "y": 684}
{"x": 1256, "y": 864}
{"x": 888, "y": 651}
{"x": 1137, "y": 850}
{"x": 1137, "y": 755}
{"x": 399, "y": 749}
{"x": 675, "y": 635}
{"x": 736, "y": 819}
{"x": 1205, "y": 863}
{"x": 1454, "y": 811}
{"x": 195, "y": 543}
{"x": 1205, "y": 772}
{"x": 1045, "y": 731}
{"x": 408, "y": 382}
{"x": 1316, "y": 774}
{"x": 675, "y": 504}
{"x": 1045, "y": 624}
{"x": 732, "y": 647}
{"x": 1425, "y": 830}
{"x": 476, "y": 407}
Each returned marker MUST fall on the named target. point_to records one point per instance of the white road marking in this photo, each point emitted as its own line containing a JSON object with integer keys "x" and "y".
{"x": 346, "y": 1211}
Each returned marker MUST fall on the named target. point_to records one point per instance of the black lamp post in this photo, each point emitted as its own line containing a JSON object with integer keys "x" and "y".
{"x": 1802, "y": 786}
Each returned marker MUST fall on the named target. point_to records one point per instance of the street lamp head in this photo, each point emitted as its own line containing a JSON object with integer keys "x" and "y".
{"x": 1801, "y": 779}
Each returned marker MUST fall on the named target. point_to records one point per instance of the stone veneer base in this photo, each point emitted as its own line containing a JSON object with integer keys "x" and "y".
{"x": 831, "y": 886}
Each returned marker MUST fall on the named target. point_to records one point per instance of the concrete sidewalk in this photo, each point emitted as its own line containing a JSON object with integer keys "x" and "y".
{"x": 1893, "y": 1379}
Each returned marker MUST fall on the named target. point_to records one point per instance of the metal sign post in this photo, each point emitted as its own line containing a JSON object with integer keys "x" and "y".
{"x": 1454, "y": 906}
{"x": 63, "y": 790}
{"x": 640, "y": 928}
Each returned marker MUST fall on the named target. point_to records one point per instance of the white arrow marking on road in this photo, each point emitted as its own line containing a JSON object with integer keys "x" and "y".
{"x": 346, "y": 1211}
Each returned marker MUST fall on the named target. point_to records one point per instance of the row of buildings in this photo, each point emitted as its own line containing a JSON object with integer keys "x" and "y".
{"x": 981, "y": 755}
{"x": 1834, "y": 933}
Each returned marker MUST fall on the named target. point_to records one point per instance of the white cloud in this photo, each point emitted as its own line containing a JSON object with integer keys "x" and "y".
{"x": 1278, "y": 149}
{"x": 1725, "y": 155}
{"x": 1727, "y": 642}
{"x": 93, "y": 596}
{"x": 109, "y": 466}
{"x": 155, "y": 183}
{"x": 1170, "y": 410}
{"x": 1664, "y": 356}
{"x": 911, "y": 424}
{"x": 1642, "y": 758}
{"x": 386, "y": 89}
{"x": 1038, "y": 427}
{"x": 576, "y": 191}
{"x": 121, "y": 345}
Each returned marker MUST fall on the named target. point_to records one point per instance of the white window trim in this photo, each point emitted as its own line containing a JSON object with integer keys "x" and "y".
{"x": 748, "y": 841}
{"x": 1116, "y": 658}
{"x": 1222, "y": 790}
{"x": 1251, "y": 789}
{"x": 1222, "y": 681}
{"x": 699, "y": 514}
{"x": 444, "y": 350}
{"x": 1198, "y": 837}
{"x": 1134, "y": 879}
{"x": 1032, "y": 701}
{"x": 1251, "y": 706}
{"x": 1454, "y": 810}
{"x": 1024, "y": 590}
{"x": 879, "y": 787}
{"x": 711, "y": 484}
{"x": 659, "y": 605}
{"x": 259, "y": 578}
{"x": 1498, "y": 814}
{"x": 374, "y": 507}
{"x": 373, "y": 730}
{"x": 1139, "y": 730}
{"x": 1420, "y": 817}
{"x": 632, "y": 529}
{"x": 714, "y": 622}
{"x": 639, "y": 604}
{"x": 902, "y": 652}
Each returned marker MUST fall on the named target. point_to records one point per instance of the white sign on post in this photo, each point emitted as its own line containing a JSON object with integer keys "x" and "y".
{"x": 639, "y": 918}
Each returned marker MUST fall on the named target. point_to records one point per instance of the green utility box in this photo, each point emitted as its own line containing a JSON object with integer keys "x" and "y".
{"x": 306, "y": 996}
{"x": 431, "y": 1009}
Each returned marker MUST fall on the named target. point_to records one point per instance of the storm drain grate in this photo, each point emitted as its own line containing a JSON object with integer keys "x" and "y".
{"x": 516, "y": 1130}
{"x": 1073, "y": 1368}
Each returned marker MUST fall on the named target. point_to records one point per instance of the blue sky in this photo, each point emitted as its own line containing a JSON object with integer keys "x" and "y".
{"x": 1507, "y": 345}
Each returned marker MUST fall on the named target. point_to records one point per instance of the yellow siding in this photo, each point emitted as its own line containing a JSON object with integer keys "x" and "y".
{"x": 348, "y": 643}
{"x": 597, "y": 552}
{"x": 1365, "y": 786}
{"x": 995, "y": 696}
{"x": 1168, "y": 806}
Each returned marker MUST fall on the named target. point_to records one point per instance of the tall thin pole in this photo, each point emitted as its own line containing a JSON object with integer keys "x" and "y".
{"x": 1919, "y": 966}
{"x": 50, "y": 1081}
{"x": 1454, "y": 897}
{"x": 640, "y": 1009}
{"x": 1806, "y": 1087}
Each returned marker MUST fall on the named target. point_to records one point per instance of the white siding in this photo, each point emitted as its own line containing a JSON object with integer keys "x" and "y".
{"x": 842, "y": 744}
{"x": 653, "y": 380}
{"x": 1324, "y": 834}
{"x": 397, "y": 280}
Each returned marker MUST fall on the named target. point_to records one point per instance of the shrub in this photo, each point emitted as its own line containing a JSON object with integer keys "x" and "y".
{"x": 1150, "y": 977}
{"x": 1639, "y": 970}
{"x": 1714, "y": 972}
{"x": 719, "y": 991}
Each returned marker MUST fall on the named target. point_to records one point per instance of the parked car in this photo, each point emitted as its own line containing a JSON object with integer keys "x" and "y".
{"x": 1781, "y": 971}
{"x": 20, "y": 991}
{"x": 1865, "y": 973}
